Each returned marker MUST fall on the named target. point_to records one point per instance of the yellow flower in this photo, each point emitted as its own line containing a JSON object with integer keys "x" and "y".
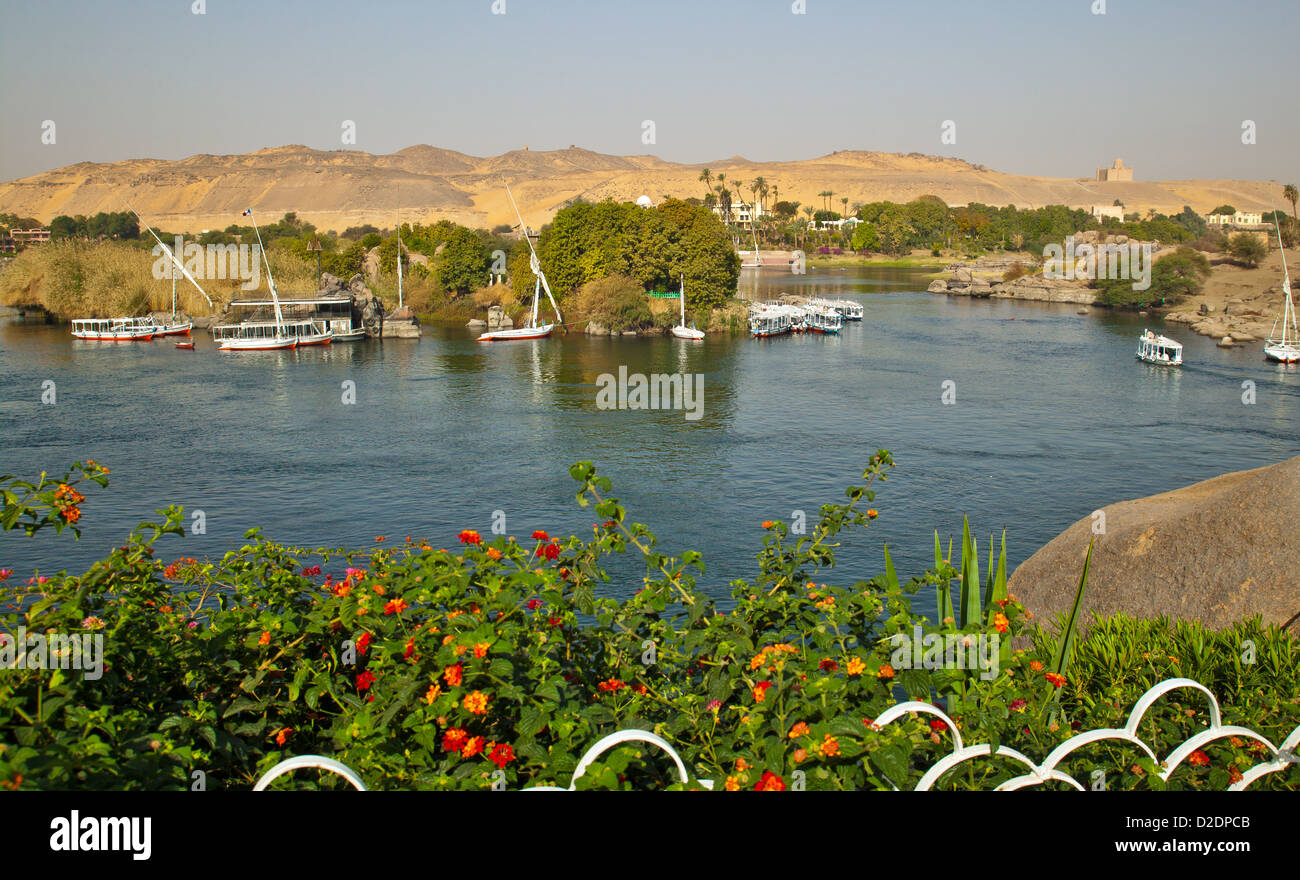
{"x": 855, "y": 666}
{"x": 476, "y": 702}
{"x": 733, "y": 783}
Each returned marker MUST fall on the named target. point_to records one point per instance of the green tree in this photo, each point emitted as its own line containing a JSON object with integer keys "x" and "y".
{"x": 462, "y": 265}
{"x": 1246, "y": 249}
{"x": 1173, "y": 277}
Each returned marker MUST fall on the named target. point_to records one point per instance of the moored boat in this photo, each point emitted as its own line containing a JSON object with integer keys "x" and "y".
{"x": 1284, "y": 349}
{"x": 112, "y": 330}
{"x": 531, "y": 330}
{"x": 681, "y": 331}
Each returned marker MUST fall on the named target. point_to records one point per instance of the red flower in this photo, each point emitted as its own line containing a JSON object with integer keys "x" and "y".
{"x": 410, "y": 648}
{"x": 534, "y": 604}
{"x": 612, "y": 684}
{"x": 501, "y": 755}
{"x": 938, "y": 724}
{"x": 1198, "y": 758}
{"x": 550, "y": 551}
{"x": 363, "y": 643}
{"x": 828, "y": 665}
{"x": 1018, "y": 705}
{"x": 454, "y": 739}
{"x": 540, "y": 535}
{"x": 469, "y": 536}
{"x": 1056, "y": 679}
{"x": 760, "y": 690}
{"x": 395, "y": 606}
{"x": 365, "y": 680}
{"x": 770, "y": 782}
{"x": 554, "y": 621}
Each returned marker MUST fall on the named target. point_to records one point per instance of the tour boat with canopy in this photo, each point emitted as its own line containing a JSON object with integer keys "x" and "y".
{"x": 531, "y": 330}
{"x": 681, "y": 331}
{"x": 112, "y": 330}
{"x": 1161, "y": 350}
{"x": 1285, "y": 348}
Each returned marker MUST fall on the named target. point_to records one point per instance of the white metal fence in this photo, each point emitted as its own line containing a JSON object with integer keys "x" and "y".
{"x": 1036, "y": 774}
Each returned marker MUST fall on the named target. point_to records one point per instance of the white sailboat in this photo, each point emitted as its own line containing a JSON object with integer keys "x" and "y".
{"x": 1285, "y": 348}
{"x": 268, "y": 335}
{"x": 681, "y": 331}
{"x": 532, "y": 330}
{"x": 174, "y": 327}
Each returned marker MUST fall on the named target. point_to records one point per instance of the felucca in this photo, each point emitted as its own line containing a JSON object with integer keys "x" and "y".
{"x": 532, "y": 330}
{"x": 681, "y": 331}
{"x": 174, "y": 327}
{"x": 1285, "y": 348}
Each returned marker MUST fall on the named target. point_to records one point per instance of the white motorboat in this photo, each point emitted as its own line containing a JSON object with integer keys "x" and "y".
{"x": 1161, "y": 350}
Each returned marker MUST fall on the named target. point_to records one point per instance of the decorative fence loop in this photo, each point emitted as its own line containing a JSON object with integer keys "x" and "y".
{"x": 606, "y": 743}
{"x": 302, "y": 761}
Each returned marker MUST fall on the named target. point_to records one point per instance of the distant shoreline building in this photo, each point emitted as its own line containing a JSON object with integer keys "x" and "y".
{"x": 742, "y": 213}
{"x": 1103, "y": 211}
{"x": 1116, "y": 172}
{"x": 1241, "y": 218}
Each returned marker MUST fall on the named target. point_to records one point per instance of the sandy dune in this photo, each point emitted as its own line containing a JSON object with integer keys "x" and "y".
{"x": 340, "y": 188}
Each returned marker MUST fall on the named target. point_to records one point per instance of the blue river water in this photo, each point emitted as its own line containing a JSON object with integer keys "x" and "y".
{"x": 1053, "y": 417}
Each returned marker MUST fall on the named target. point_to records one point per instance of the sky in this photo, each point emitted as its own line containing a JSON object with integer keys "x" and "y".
{"x": 1045, "y": 88}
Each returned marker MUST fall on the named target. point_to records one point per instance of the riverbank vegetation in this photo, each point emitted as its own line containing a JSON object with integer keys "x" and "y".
{"x": 498, "y": 662}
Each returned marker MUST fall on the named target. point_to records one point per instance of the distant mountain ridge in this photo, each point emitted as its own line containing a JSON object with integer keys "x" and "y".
{"x": 335, "y": 189}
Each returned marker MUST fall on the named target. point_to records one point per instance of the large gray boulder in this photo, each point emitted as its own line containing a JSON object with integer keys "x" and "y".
{"x": 1216, "y": 551}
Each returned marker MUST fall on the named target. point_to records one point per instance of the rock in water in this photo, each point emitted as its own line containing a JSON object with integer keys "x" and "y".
{"x": 1216, "y": 551}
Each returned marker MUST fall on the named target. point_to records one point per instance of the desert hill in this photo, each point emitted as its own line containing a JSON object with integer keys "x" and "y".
{"x": 335, "y": 189}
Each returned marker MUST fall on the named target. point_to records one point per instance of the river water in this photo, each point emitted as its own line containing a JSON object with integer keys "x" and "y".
{"x": 1053, "y": 417}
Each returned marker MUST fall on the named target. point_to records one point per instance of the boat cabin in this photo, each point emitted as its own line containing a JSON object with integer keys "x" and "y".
{"x": 1156, "y": 349}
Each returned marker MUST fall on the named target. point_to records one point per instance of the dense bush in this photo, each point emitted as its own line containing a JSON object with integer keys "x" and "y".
{"x": 1173, "y": 277}
{"x": 618, "y": 302}
{"x": 505, "y": 659}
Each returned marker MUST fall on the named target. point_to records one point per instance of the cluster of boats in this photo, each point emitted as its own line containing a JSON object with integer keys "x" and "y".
{"x": 1283, "y": 347}
{"x": 815, "y": 315}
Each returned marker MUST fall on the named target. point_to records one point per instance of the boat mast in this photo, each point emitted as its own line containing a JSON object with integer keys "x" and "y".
{"x": 270, "y": 279}
{"x": 683, "y": 300}
{"x": 399, "y": 265}
{"x": 1288, "y": 307}
{"x": 176, "y": 263}
{"x": 533, "y": 262}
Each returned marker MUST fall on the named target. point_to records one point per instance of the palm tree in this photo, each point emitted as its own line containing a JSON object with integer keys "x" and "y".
{"x": 1291, "y": 194}
{"x": 844, "y": 200}
{"x": 707, "y": 178}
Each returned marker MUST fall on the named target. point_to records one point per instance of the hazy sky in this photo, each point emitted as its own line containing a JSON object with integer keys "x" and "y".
{"x": 1042, "y": 87}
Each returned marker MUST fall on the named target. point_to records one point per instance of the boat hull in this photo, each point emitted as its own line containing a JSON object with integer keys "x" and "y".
{"x": 174, "y": 329}
{"x": 114, "y": 335}
{"x": 256, "y": 344}
{"x": 1283, "y": 354}
{"x": 688, "y": 333}
{"x": 517, "y": 333}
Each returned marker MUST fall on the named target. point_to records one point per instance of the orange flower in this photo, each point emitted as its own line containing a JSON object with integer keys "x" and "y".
{"x": 767, "y": 524}
{"x": 799, "y": 729}
{"x": 71, "y": 514}
{"x": 395, "y": 606}
{"x": 760, "y": 690}
{"x": 481, "y": 649}
{"x": 770, "y": 782}
{"x": 612, "y": 684}
{"x": 885, "y": 671}
{"x": 800, "y": 755}
{"x": 282, "y": 735}
{"x": 855, "y": 666}
{"x": 873, "y": 513}
{"x": 1001, "y": 623}
{"x": 452, "y": 675}
{"x": 476, "y": 702}
{"x": 454, "y": 740}
{"x": 473, "y": 746}
{"x": 469, "y": 536}
{"x": 459, "y": 649}
{"x": 493, "y": 553}
{"x": 1056, "y": 679}
{"x": 265, "y": 639}
{"x": 733, "y": 783}
{"x": 1035, "y": 665}
{"x": 1198, "y": 758}
{"x": 435, "y": 691}
{"x": 829, "y": 747}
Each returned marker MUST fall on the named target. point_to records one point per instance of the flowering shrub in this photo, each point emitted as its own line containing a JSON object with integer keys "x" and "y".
{"x": 500, "y": 661}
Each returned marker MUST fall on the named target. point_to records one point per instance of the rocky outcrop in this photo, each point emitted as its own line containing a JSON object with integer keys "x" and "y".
{"x": 1215, "y": 551}
{"x": 1036, "y": 288}
{"x": 366, "y": 307}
